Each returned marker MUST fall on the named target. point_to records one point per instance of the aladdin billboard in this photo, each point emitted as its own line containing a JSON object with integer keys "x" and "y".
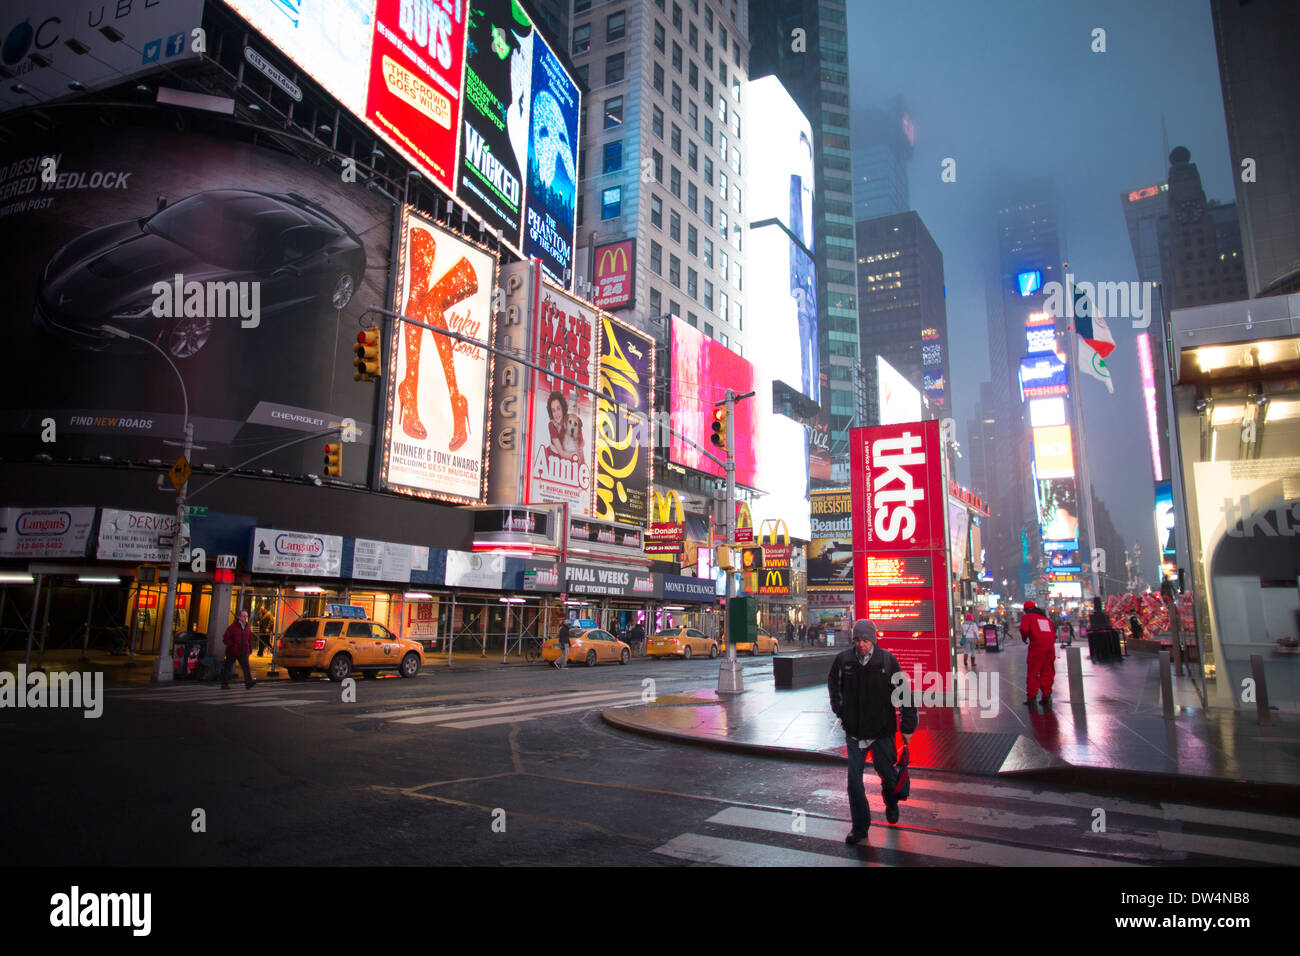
{"x": 434, "y": 440}
{"x": 900, "y": 550}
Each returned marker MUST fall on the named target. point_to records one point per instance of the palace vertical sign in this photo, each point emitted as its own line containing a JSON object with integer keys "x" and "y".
{"x": 900, "y": 569}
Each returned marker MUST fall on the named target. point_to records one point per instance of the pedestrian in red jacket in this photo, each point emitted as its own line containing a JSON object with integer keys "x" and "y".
{"x": 1037, "y": 631}
{"x": 239, "y": 645}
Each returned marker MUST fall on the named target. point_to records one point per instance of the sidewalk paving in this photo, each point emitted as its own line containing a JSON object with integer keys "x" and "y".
{"x": 1116, "y": 739}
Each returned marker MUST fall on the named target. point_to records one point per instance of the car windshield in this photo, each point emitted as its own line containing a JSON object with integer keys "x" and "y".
{"x": 230, "y": 230}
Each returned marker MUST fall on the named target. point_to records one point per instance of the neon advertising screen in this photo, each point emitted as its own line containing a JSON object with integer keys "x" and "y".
{"x": 702, "y": 371}
{"x": 1029, "y": 282}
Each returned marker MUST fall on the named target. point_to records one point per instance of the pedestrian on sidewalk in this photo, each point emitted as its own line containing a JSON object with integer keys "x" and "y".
{"x": 1037, "y": 631}
{"x": 803, "y": 634}
{"x": 636, "y": 636}
{"x": 970, "y": 635}
{"x": 789, "y": 633}
{"x": 264, "y": 627}
{"x": 239, "y": 645}
{"x": 563, "y": 638}
{"x": 862, "y": 685}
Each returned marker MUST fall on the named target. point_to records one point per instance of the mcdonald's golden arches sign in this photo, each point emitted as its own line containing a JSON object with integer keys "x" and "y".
{"x": 614, "y": 270}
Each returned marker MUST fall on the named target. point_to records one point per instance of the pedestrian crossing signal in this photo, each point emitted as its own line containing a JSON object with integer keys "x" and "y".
{"x": 751, "y": 559}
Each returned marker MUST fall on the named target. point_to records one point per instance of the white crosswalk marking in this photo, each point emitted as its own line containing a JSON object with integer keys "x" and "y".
{"x": 485, "y": 715}
{"x": 515, "y": 703}
{"x": 720, "y": 852}
{"x": 961, "y": 849}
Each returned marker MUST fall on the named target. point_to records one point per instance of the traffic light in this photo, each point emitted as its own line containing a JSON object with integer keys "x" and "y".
{"x": 722, "y": 557}
{"x": 720, "y": 426}
{"x": 751, "y": 559}
{"x": 367, "y": 360}
{"x": 334, "y": 459}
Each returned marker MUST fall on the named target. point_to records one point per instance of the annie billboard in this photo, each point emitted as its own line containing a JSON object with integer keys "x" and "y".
{"x": 560, "y": 431}
{"x": 434, "y": 434}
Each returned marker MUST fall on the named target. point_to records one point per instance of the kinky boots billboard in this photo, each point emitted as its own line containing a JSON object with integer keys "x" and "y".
{"x": 900, "y": 568}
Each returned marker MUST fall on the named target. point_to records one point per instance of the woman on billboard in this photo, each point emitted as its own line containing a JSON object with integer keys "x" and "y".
{"x": 427, "y": 304}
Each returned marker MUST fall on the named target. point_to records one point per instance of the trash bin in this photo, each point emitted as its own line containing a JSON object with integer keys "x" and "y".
{"x": 991, "y": 637}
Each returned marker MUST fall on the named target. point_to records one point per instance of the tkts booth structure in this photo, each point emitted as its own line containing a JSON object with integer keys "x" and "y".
{"x": 900, "y": 542}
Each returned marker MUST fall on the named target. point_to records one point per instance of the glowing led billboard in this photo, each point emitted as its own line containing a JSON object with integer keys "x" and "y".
{"x": 900, "y": 400}
{"x": 1149, "y": 401}
{"x": 1053, "y": 452}
{"x": 1043, "y": 376}
{"x": 1029, "y": 282}
{"x": 702, "y": 371}
{"x": 1045, "y": 412}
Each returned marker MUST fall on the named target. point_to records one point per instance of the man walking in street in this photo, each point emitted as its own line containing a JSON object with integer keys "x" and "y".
{"x": 862, "y": 689}
{"x": 636, "y": 636}
{"x": 563, "y": 638}
{"x": 1040, "y": 664}
{"x": 239, "y": 645}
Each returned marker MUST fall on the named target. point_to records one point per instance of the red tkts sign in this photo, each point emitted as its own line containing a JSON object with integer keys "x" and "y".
{"x": 900, "y": 569}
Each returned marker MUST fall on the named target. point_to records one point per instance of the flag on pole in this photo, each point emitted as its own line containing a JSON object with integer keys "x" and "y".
{"x": 1092, "y": 328}
{"x": 1091, "y": 362}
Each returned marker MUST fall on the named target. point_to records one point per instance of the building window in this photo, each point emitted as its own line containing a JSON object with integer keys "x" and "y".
{"x": 708, "y": 57}
{"x": 693, "y": 197}
{"x": 708, "y": 295}
{"x": 708, "y": 20}
{"x": 736, "y": 192}
{"x": 722, "y": 185}
{"x": 723, "y": 263}
{"x": 692, "y": 240}
{"x": 692, "y": 283}
{"x": 656, "y": 258}
{"x": 658, "y": 78}
{"x": 722, "y": 37}
{"x": 674, "y": 308}
{"x": 708, "y": 253}
{"x": 735, "y": 159}
{"x": 692, "y": 155}
{"x": 581, "y": 6}
{"x": 692, "y": 319}
{"x": 722, "y": 222}
{"x": 722, "y": 112}
{"x": 677, "y": 98}
{"x": 722, "y": 70}
{"x": 615, "y": 27}
{"x": 674, "y": 226}
{"x": 693, "y": 114}
{"x": 693, "y": 37}
{"x": 659, "y": 4}
{"x": 580, "y": 212}
{"x": 708, "y": 330}
{"x": 708, "y": 210}
{"x": 693, "y": 75}
{"x": 657, "y": 121}
{"x": 675, "y": 140}
{"x": 677, "y": 16}
{"x": 660, "y": 38}
{"x": 735, "y": 87}
{"x": 722, "y": 337}
{"x": 735, "y": 50}
{"x": 613, "y": 157}
{"x": 708, "y": 130}
{"x": 740, "y": 317}
{"x": 740, "y": 275}
{"x": 675, "y": 271}
{"x": 614, "y": 68}
{"x": 614, "y": 112}
{"x": 724, "y": 307}
{"x": 611, "y": 203}
{"x": 677, "y": 57}
{"x": 656, "y": 302}
{"x": 656, "y": 211}
{"x": 722, "y": 146}
{"x": 581, "y": 39}
{"x": 675, "y": 182}
{"x": 708, "y": 170}
{"x": 658, "y": 159}
{"x": 584, "y": 75}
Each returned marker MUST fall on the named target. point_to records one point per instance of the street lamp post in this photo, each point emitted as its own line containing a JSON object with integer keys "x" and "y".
{"x": 162, "y": 668}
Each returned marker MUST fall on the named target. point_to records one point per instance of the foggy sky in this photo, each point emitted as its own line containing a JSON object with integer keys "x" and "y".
{"x": 1011, "y": 89}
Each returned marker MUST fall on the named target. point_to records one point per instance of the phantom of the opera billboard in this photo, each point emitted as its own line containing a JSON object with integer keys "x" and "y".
{"x": 142, "y": 259}
{"x": 900, "y": 550}
{"x": 438, "y": 402}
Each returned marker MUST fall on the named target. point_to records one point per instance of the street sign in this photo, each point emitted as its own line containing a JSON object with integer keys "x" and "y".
{"x": 744, "y": 535}
{"x": 165, "y": 541}
{"x": 179, "y": 473}
{"x": 196, "y": 512}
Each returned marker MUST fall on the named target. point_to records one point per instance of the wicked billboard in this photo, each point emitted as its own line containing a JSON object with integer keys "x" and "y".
{"x": 139, "y": 255}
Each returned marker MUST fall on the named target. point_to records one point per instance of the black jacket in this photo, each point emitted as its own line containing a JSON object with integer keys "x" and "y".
{"x": 563, "y": 635}
{"x": 861, "y": 696}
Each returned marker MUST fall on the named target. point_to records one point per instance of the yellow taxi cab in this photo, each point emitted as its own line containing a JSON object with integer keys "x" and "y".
{"x": 766, "y": 644}
{"x": 588, "y": 646}
{"x": 338, "y": 646}
{"x": 686, "y": 642}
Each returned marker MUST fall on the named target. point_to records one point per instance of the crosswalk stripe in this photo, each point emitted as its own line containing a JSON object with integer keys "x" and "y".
{"x": 943, "y": 846}
{"x": 715, "y": 850}
{"x": 269, "y": 702}
{"x": 491, "y": 721}
{"x": 1257, "y": 852}
{"x": 1240, "y": 819}
{"x": 513, "y": 710}
{"x": 513, "y": 702}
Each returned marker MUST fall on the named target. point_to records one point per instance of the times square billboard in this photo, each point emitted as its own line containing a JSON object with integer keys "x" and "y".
{"x": 246, "y": 268}
{"x": 467, "y": 92}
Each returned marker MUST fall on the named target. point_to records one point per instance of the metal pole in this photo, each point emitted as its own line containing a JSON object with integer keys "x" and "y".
{"x": 730, "y": 675}
{"x": 162, "y": 667}
{"x": 45, "y": 629}
{"x": 1071, "y": 354}
{"x": 31, "y": 624}
{"x": 90, "y": 611}
{"x": 1166, "y": 686}
{"x": 451, "y": 627}
{"x": 134, "y": 606}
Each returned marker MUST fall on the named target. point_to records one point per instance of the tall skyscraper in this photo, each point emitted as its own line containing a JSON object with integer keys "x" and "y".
{"x": 902, "y": 313}
{"x": 662, "y": 155}
{"x": 883, "y": 142}
{"x": 1256, "y": 41}
{"x": 804, "y": 43}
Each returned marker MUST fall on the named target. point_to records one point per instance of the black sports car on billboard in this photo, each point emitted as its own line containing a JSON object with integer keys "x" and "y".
{"x": 227, "y": 257}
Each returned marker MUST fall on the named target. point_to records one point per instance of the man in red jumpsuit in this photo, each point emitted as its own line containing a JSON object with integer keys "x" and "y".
{"x": 1037, "y": 631}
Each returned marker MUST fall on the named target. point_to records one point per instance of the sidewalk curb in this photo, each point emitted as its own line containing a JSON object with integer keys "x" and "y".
{"x": 1224, "y": 793}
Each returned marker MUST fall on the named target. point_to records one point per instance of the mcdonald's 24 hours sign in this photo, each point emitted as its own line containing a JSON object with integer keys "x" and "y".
{"x": 614, "y": 271}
